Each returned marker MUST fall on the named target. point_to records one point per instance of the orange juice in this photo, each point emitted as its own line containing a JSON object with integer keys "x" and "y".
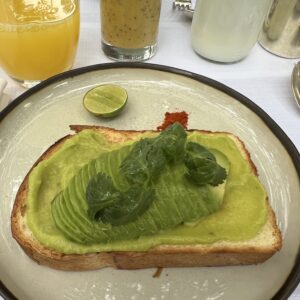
{"x": 38, "y": 38}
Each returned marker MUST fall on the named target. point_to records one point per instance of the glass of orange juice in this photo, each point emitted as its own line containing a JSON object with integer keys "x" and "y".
{"x": 129, "y": 28}
{"x": 38, "y": 38}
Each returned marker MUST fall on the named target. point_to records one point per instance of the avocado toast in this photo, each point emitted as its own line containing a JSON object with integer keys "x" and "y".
{"x": 223, "y": 237}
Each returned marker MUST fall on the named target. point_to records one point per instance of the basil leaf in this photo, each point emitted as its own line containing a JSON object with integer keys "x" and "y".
{"x": 100, "y": 193}
{"x": 133, "y": 204}
{"x": 202, "y": 167}
{"x": 198, "y": 150}
{"x": 149, "y": 156}
{"x": 143, "y": 163}
{"x": 172, "y": 141}
{"x": 109, "y": 205}
{"x": 141, "y": 168}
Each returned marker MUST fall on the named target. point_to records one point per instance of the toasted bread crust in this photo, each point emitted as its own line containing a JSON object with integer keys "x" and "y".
{"x": 217, "y": 254}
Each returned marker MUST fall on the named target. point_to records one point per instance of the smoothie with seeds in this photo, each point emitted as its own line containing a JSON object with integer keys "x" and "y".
{"x": 130, "y": 24}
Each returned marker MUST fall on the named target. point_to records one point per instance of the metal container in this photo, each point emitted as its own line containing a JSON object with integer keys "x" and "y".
{"x": 281, "y": 31}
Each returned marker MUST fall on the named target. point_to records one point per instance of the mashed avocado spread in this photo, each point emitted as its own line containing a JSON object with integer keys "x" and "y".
{"x": 235, "y": 210}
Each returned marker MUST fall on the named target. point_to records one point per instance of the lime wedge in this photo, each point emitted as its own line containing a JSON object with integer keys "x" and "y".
{"x": 105, "y": 100}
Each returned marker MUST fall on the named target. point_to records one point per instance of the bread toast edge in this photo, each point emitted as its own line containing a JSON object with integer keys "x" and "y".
{"x": 217, "y": 254}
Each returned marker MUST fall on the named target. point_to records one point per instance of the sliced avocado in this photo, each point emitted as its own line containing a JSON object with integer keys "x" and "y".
{"x": 241, "y": 217}
{"x": 62, "y": 223}
{"x": 172, "y": 205}
{"x": 78, "y": 217}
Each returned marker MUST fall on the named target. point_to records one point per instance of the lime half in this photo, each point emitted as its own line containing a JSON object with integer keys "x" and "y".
{"x": 105, "y": 100}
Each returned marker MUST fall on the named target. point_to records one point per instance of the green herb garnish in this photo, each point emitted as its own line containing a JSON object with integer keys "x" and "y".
{"x": 141, "y": 168}
{"x": 202, "y": 167}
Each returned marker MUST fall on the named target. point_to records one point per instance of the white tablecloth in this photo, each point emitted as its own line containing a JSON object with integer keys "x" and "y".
{"x": 262, "y": 77}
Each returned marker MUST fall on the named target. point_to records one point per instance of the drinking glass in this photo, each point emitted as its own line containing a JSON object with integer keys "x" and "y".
{"x": 129, "y": 28}
{"x": 38, "y": 38}
{"x": 226, "y": 30}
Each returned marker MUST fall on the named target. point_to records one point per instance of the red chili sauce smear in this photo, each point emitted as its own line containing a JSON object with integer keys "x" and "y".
{"x": 173, "y": 117}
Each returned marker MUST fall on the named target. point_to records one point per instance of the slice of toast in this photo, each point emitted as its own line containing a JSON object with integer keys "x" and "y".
{"x": 222, "y": 253}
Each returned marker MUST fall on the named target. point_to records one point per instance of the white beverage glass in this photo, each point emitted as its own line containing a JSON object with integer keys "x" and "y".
{"x": 226, "y": 30}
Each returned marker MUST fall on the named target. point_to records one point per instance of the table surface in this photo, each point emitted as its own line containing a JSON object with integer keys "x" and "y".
{"x": 262, "y": 77}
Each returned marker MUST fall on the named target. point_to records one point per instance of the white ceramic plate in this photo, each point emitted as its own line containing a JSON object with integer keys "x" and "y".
{"x": 42, "y": 115}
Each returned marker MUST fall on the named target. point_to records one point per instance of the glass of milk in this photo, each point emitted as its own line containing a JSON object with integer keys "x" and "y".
{"x": 226, "y": 30}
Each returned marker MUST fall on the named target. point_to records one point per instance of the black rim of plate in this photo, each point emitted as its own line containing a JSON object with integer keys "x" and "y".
{"x": 294, "y": 277}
